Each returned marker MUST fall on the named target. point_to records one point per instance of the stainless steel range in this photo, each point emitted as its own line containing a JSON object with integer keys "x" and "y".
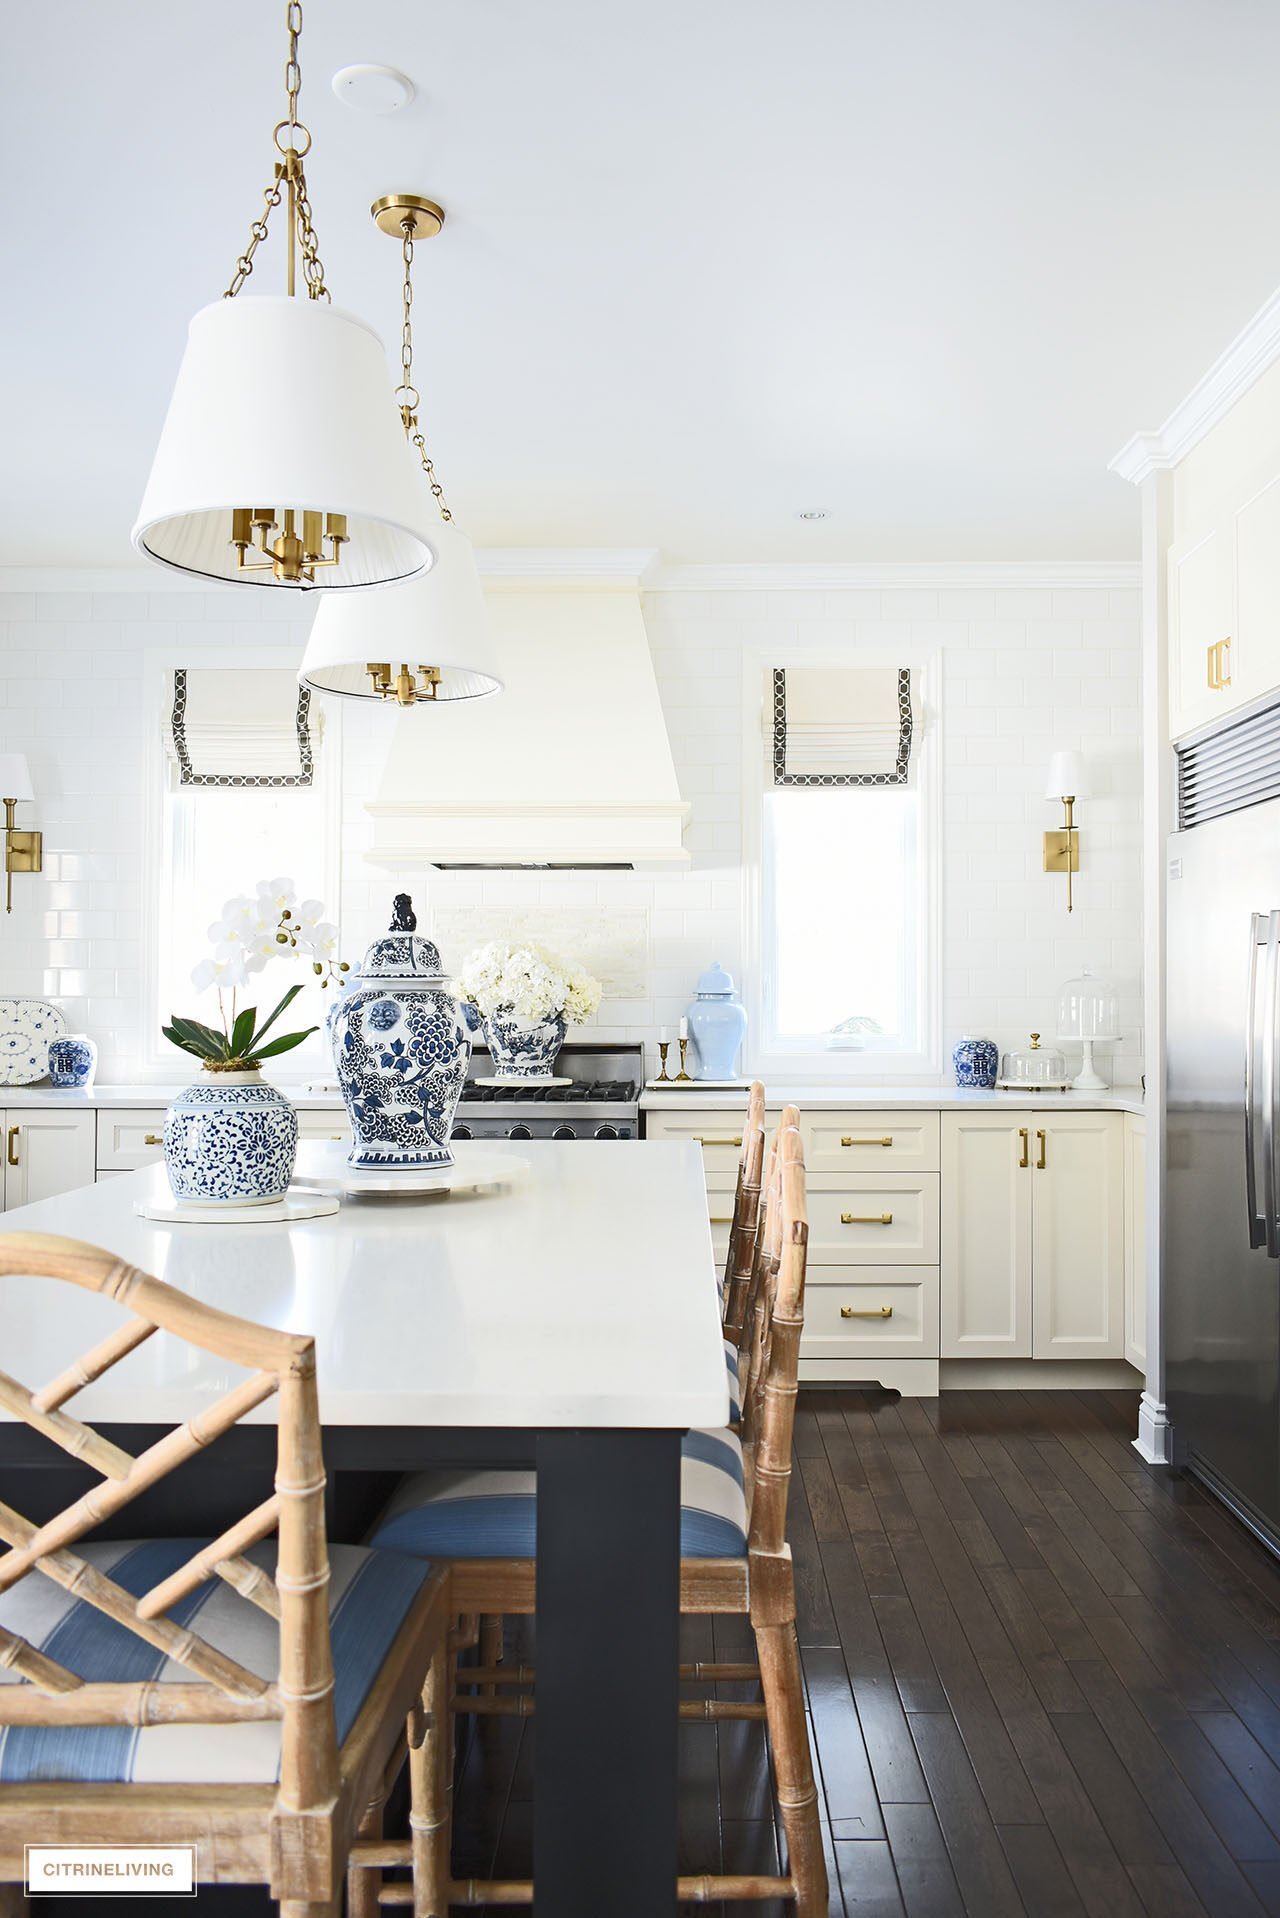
{"x": 602, "y": 1102}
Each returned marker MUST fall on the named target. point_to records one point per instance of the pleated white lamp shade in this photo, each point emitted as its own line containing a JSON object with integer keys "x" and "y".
{"x": 285, "y": 403}
{"x": 439, "y": 620}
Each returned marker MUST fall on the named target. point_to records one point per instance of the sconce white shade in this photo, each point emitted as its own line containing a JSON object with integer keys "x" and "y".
{"x": 15, "y": 777}
{"x": 285, "y": 403}
{"x": 438, "y": 620}
{"x": 1067, "y": 777}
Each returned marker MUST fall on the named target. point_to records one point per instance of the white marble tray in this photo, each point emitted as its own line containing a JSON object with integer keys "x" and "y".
{"x": 294, "y": 1205}
{"x": 475, "y": 1168}
{"x": 514, "y": 1079}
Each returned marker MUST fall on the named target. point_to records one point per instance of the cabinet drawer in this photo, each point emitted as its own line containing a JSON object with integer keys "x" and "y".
{"x": 885, "y": 1312}
{"x": 718, "y": 1133}
{"x": 325, "y": 1125}
{"x": 871, "y": 1142}
{"x": 128, "y": 1139}
{"x": 887, "y": 1221}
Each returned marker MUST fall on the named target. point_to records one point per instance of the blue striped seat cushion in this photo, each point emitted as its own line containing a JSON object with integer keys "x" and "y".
{"x": 735, "y": 1395}
{"x": 370, "y": 1596}
{"x": 493, "y": 1514}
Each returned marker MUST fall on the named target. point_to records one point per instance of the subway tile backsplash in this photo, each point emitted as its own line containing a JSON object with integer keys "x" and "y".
{"x": 1023, "y": 668}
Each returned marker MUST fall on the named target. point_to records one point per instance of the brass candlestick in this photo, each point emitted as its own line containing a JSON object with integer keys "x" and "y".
{"x": 682, "y": 1074}
{"x": 664, "y": 1047}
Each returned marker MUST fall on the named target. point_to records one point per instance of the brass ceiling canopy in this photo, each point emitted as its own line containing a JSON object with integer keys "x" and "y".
{"x": 394, "y": 211}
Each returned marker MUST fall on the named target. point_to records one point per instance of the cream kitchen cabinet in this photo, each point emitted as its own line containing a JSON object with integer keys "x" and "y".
{"x": 1135, "y": 1240}
{"x": 1224, "y": 602}
{"x": 1033, "y": 1235}
{"x": 46, "y": 1152}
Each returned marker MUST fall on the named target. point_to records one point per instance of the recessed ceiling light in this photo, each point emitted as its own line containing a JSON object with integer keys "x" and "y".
{"x": 369, "y": 89}
{"x": 813, "y": 512}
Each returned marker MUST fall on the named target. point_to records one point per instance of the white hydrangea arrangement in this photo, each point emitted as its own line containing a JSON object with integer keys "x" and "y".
{"x": 527, "y": 983}
{"x": 250, "y": 933}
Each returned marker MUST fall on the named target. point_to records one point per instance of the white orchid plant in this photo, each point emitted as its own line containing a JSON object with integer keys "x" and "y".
{"x": 527, "y": 983}
{"x": 250, "y": 933}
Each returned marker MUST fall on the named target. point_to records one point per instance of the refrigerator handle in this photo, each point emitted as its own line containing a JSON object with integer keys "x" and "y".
{"x": 1259, "y": 935}
{"x": 1270, "y": 1083}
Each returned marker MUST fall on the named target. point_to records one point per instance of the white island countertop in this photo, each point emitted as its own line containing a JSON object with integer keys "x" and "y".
{"x": 584, "y": 1295}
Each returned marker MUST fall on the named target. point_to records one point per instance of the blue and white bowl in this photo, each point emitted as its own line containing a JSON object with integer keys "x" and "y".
{"x": 73, "y": 1060}
{"x": 523, "y": 1052}
{"x": 230, "y": 1139}
{"x": 976, "y": 1062}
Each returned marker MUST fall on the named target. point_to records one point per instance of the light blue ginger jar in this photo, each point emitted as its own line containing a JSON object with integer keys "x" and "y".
{"x": 976, "y": 1062}
{"x": 400, "y": 1048}
{"x": 230, "y": 1139}
{"x": 717, "y": 1025}
{"x": 73, "y": 1060}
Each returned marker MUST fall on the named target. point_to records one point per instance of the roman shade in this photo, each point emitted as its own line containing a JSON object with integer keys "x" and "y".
{"x": 245, "y": 726}
{"x": 841, "y": 725}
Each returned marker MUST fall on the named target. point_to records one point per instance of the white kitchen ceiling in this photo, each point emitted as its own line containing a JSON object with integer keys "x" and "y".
{"x": 708, "y": 263}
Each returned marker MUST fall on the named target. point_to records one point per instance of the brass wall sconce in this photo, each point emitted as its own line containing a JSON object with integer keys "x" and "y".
{"x": 23, "y": 851}
{"x": 1068, "y": 782}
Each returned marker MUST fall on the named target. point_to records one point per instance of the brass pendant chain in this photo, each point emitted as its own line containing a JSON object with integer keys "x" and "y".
{"x": 289, "y": 174}
{"x": 407, "y": 392}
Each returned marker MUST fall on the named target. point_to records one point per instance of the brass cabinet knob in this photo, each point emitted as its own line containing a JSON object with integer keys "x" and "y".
{"x": 152, "y": 1138}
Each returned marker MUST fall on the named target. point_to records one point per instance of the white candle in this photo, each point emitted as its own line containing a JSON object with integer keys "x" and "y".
{"x": 665, "y": 1036}
{"x": 684, "y": 1028}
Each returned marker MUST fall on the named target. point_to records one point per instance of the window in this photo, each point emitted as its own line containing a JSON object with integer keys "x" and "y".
{"x": 843, "y": 882}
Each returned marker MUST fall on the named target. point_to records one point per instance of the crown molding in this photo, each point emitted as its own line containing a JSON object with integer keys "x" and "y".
{"x": 1253, "y": 350}
{"x": 587, "y": 563}
{"x": 934, "y": 575}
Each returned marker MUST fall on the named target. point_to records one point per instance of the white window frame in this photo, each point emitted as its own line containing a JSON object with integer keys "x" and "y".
{"x": 843, "y": 1064}
{"x": 161, "y": 1063}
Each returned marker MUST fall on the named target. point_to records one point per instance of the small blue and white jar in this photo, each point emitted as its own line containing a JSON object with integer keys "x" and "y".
{"x": 231, "y": 1139}
{"x": 523, "y": 1052}
{"x": 400, "y": 1049}
{"x": 976, "y": 1062}
{"x": 73, "y": 1060}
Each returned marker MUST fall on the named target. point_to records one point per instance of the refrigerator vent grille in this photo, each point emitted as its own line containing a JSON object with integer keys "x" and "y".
{"x": 1235, "y": 767}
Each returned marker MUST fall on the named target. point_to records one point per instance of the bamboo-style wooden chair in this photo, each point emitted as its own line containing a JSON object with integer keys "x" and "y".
{"x": 746, "y": 1213}
{"x": 731, "y": 1564}
{"x": 265, "y": 1736}
{"x": 751, "y": 1332}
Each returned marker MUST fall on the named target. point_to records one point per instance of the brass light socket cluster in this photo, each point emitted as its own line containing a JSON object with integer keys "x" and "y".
{"x": 289, "y": 556}
{"x": 407, "y": 685}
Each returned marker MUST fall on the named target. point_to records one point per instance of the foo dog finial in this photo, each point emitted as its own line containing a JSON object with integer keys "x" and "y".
{"x": 403, "y": 918}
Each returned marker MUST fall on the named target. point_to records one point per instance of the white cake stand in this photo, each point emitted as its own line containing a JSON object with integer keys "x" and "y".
{"x": 514, "y": 1079}
{"x": 1089, "y": 1079}
{"x": 476, "y": 1168}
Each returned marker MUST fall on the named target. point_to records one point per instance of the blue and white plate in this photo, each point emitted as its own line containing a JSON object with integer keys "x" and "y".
{"x": 26, "y": 1027}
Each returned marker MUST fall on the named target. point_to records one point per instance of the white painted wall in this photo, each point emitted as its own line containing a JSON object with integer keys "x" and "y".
{"x": 1026, "y": 666}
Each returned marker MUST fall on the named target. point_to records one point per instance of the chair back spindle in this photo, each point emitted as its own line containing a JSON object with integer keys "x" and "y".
{"x": 746, "y": 1215}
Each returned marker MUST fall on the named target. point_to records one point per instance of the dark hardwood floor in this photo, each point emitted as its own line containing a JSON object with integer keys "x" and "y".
{"x": 1042, "y": 1678}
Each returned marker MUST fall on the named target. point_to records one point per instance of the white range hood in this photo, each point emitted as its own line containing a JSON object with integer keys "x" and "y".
{"x": 569, "y": 766}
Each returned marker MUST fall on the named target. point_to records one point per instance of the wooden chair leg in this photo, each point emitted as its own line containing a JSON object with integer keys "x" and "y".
{"x": 793, "y": 1765}
{"x": 364, "y": 1882}
{"x": 311, "y": 1908}
{"x": 430, "y": 1791}
{"x": 491, "y": 1647}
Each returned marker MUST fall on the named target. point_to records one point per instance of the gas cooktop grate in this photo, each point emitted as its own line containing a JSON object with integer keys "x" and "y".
{"x": 595, "y": 1092}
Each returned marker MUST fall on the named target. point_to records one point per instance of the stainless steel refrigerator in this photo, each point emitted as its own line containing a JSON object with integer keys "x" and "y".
{"x": 1222, "y": 1245}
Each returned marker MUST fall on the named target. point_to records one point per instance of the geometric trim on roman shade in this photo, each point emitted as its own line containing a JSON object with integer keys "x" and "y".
{"x": 249, "y": 727}
{"x": 843, "y": 726}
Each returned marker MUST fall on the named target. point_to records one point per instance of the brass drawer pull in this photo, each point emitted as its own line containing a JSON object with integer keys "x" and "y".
{"x": 337, "y": 1137}
{"x": 887, "y": 1140}
{"x": 1219, "y": 665}
{"x": 879, "y": 1312}
{"x": 1040, "y": 1161}
{"x": 737, "y": 1141}
{"x": 866, "y": 1218}
{"x": 152, "y": 1138}
{"x": 722, "y": 1218}
{"x": 13, "y": 1144}
{"x": 1025, "y": 1137}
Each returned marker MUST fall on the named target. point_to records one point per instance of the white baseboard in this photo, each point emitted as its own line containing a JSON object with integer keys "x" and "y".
{"x": 1154, "y": 1442}
{"x": 1038, "y": 1375}
{"x": 914, "y": 1378}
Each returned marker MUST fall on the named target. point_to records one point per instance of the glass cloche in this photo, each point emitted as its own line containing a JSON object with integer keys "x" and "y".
{"x": 1038, "y": 1069}
{"x": 1088, "y": 1013}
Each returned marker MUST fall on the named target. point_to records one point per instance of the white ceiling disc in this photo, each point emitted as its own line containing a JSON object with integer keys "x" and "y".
{"x": 369, "y": 89}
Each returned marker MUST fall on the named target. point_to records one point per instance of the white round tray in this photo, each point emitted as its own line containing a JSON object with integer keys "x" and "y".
{"x": 294, "y": 1205}
{"x": 475, "y": 1168}
{"x": 514, "y": 1079}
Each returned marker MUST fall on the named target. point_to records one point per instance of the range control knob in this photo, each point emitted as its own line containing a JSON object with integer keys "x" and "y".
{"x": 564, "y": 1132}
{"x": 606, "y": 1132}
{"x": 462, "y": 1132}
{"x": 519, "y": 1132}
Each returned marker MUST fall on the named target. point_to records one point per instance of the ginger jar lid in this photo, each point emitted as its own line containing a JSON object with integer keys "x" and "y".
{"x": 401, "y": 953}
{"x": 715, "y": 983}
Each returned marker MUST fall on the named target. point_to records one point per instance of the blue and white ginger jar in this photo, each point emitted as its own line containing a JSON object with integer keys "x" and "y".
{"x": 976, "y": 1062}
{"x": 73, "y": 1060}
{"x": 523, "y": 1052}
{"x": 400, "y": 1047}
{"x": 230, "y": 1139}
{"x": 717, "y": 1025}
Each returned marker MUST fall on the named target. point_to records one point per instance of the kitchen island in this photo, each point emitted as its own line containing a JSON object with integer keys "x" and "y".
{"x": 569, "y": 1320}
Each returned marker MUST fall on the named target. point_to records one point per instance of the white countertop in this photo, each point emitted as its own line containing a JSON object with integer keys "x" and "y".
{"x": 583, "y": 1296}
{"x": 153, "y": 1096}
{"x": 826, "y": 1097}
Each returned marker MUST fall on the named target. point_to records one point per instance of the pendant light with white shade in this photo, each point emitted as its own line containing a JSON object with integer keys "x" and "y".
{"x": 285, "y": 400}
{"x": 426, "y": 642}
